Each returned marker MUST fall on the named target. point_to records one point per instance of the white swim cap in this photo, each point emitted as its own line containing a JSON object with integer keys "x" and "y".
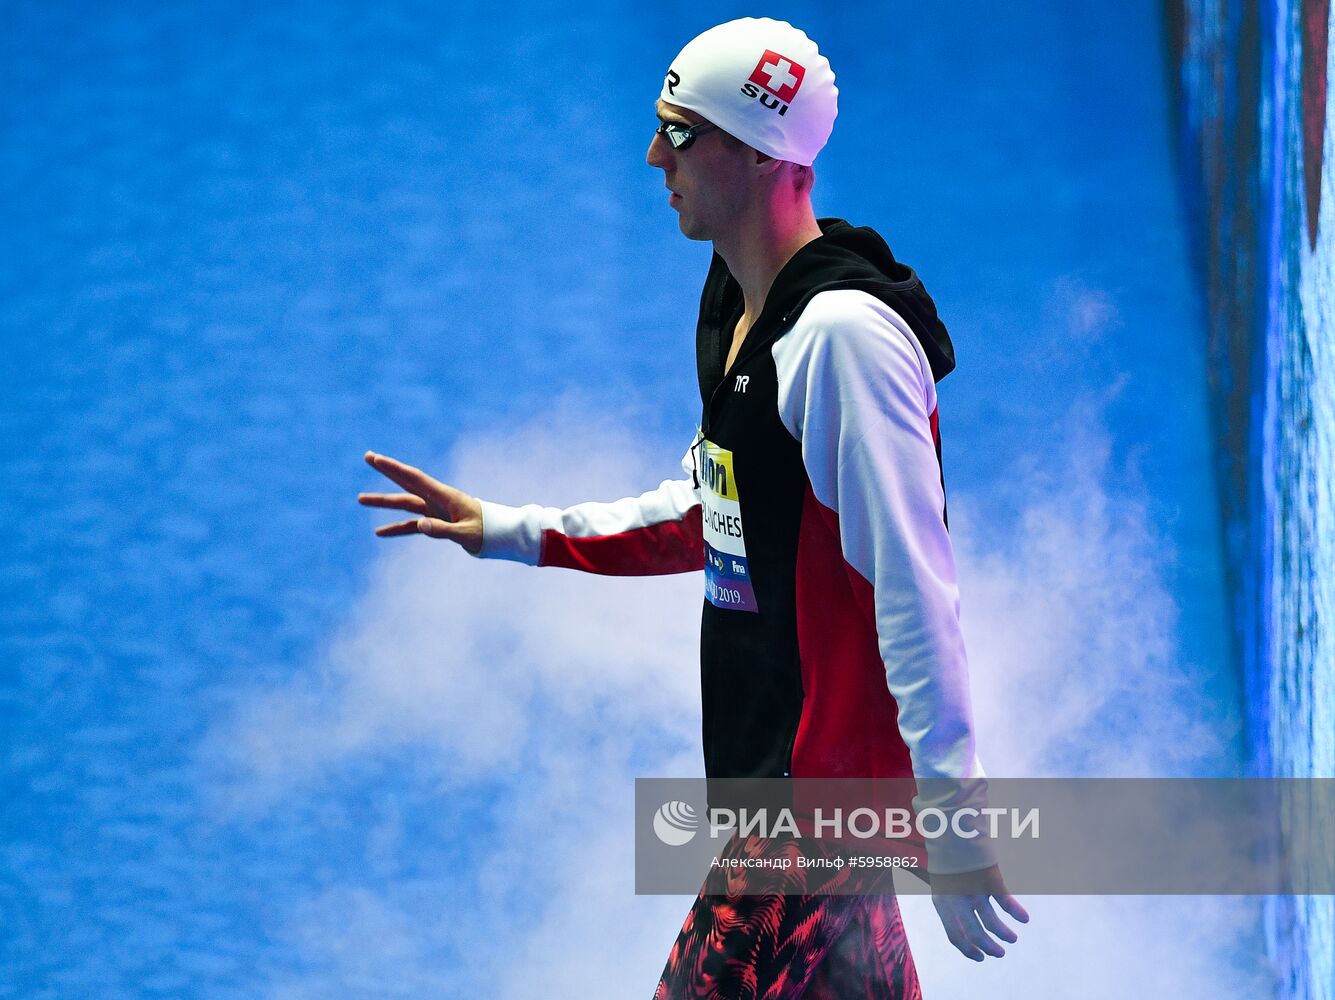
{"x": 761, "y": 80}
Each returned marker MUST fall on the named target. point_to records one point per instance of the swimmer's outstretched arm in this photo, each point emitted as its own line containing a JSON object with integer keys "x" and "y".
{"x": 654, "y": 533}
{"x": 439, "y": 510}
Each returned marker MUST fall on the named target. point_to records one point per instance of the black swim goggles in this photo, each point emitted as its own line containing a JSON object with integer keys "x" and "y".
{"x": 681, "y": 136}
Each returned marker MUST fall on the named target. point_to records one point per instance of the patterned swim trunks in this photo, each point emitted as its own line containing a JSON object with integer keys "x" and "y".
{"x": 800, "y": 941}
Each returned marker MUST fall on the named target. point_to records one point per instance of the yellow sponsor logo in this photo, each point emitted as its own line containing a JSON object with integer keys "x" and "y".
{"x": 716, "y": 471}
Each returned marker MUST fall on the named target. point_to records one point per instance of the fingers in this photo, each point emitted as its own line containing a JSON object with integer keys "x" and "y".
{"x": 440, "y": 511}
{"x": 409, "y": 477}
{"x": 394, "y": 501}
{"x": 432, "y": 527}
{"x": 961, "y": 941}
{"x": 1012, "y": 906}
{"x": 397, "y": 529}
{"x": 994, "y": 923}
{"x": 960, "y": 920}
{"x": 996, "y": 888}
{"x": 958, "y": 933}
{"x": 979, "y": 938}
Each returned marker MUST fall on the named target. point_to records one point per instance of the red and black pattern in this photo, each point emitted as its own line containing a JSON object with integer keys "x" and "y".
{"x": 803, "y": 940}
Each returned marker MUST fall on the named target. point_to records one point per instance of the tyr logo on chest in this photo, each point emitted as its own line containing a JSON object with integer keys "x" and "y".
{"x": 740, "y": 384}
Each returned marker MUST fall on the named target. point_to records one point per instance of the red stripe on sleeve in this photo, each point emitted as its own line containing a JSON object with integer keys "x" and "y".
{"x": 656, "y": 549}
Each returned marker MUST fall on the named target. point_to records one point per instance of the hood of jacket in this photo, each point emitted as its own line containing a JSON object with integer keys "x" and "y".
{"x": 844, "y": 256}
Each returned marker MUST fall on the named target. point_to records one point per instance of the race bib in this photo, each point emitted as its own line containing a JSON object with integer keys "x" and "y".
{"x": 727, "y": 577}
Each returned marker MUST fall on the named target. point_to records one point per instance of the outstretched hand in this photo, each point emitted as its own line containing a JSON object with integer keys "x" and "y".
{"x": 964, "y": 904}
{"x": 440, "y": 511}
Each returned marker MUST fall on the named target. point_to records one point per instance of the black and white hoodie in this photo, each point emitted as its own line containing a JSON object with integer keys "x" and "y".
{"x": 814, "y": 501}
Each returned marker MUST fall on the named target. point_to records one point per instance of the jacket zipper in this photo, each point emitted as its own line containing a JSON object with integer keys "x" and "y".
{"x": 744, "y": 354}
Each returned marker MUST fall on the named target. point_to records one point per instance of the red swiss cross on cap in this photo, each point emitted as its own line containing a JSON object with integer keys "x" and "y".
{"x": 779, "y": 75}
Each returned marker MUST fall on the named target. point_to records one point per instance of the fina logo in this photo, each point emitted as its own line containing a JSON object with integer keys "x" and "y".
{"x": 675, "y": 823}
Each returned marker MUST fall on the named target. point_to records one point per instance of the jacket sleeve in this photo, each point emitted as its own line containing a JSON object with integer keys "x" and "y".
{"x": 855, "y": 389}
{"x": 655, "y": 533}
